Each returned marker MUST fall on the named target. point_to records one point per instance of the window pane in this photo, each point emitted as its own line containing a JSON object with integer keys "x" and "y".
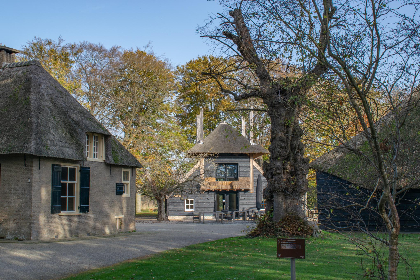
{"x": 72, "y": 174}
{"x": 126, "y": 176}
{"x": 221, "y": 171}
{"x": 125, "y": 188}
{"x": 63, "y": 189}
{"x": 95, "y": 146}
{"x": 232, "y": 171}
{"x": 64, "y": 173}
{"x": 63, "y": 204}
{"x": 71, "y": 189}
{"x": 71, "y": 205}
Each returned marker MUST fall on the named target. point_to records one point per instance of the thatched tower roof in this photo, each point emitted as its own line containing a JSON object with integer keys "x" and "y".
{"x": 39, "y": 117}
{"x": 226, "y": 140}
{"x": 345, "y": 164}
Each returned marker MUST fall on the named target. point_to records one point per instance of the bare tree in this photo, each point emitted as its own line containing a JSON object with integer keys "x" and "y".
{"x": 282, "y": 93}
{"x": 364, "y": 46}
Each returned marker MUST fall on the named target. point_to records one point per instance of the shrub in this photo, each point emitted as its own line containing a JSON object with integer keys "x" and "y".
{"x": 290, "y": 225}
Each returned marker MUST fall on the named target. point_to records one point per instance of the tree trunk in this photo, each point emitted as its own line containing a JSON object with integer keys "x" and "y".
{"x": 394, "y": 231}
{"x": 287, "y": 169}
{"x": 161, "y": 209}
{"x": 393, "y": 255}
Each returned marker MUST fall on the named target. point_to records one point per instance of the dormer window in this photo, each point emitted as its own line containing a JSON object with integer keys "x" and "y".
{"x": 95, "y": 147}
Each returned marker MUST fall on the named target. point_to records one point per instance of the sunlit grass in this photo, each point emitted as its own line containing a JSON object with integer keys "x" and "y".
{"x": 331, "y": 256}
{"x": 147, "y": 214}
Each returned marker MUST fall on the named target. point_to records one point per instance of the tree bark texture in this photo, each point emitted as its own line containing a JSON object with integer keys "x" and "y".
{"x": 286, "y": 171}
{"x": 161, "y": 209}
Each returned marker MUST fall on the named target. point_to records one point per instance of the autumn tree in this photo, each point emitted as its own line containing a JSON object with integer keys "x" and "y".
{"x": 143, "y": 110}
{"x": 56, "y": 57}
{"x": 196, "y": 91}
{"x": 96, "y": 68}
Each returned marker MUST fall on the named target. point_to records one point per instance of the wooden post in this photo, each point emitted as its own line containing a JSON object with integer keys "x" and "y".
{"x": 259, "y": 192}
{"x": 292, "y": 269}
{"x": 251, "y": 172}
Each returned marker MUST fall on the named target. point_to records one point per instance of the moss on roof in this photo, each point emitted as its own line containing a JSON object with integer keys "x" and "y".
{"x": 39, "y": 117}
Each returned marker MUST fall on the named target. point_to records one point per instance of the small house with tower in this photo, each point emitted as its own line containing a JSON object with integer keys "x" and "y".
{"x": 230, "y": 177}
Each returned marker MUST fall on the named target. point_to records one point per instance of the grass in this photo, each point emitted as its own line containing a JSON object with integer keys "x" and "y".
{"x": 331, "y": 256}
{"x": 147, "y": 214}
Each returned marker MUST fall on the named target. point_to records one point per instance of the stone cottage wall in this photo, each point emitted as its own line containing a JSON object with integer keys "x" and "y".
{"x": 108, "y": 213}
{"x": 15, "y": 196}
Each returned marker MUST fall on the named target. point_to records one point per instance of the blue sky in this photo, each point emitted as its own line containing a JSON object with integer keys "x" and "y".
{"x": 169, "y": 25}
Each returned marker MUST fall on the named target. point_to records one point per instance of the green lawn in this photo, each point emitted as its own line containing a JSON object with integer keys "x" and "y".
{"x": 147, "y": 214}
{"x": 327, "y": 257}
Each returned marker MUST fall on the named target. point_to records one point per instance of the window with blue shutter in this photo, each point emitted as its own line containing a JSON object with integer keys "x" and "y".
{"x": 56, "y": 189}
{"x": 84, "y": 189}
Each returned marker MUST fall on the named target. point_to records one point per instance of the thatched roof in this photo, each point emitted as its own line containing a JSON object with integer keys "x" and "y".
{"x": 9, "y": 50}
{"x": 345, "y": 164}
{"x": 39, "y": 117}
{"x": 226, "y": 140}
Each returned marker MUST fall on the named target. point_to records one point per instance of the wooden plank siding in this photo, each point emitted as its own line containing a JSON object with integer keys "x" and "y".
{"x": 205, "y": 202}
{"x": 335, "y": 197}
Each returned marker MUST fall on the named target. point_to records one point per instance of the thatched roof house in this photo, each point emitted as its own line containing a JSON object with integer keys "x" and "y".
{"x": 231, "y": 178}
{"x": 62, "y": 173}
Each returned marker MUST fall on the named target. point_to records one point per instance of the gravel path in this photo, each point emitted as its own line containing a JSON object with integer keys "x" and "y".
{"x": 54, "y": 260}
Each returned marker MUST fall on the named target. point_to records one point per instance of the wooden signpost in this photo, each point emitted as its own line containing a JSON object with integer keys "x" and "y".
{"x": 293, "y": 249}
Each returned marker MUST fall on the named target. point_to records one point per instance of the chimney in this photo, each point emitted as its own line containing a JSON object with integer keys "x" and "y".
{"x": 251, "y": 126}
{"x": 7, "y": 55}
{"x": 243, "y": 126}
{"x": 200, "y": 129}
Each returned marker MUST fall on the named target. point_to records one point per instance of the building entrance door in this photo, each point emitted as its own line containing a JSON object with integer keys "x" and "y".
{"x": 226, "y": 201}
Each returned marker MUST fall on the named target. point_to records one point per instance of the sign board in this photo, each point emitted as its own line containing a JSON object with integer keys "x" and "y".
{"x": 120, "y": 189}
{"x": 290, "y": 248}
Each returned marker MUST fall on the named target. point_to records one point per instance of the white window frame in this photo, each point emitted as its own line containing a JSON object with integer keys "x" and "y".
{"x": 87, "y": 145}
{"x": 125, "y": 182}
{"x": 189, "y": 202}
{"x": 95, "y": 147}
{"x": 76, "y": 189}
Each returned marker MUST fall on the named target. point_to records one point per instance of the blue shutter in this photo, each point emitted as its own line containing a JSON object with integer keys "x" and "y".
{"x": 84, "y": 189}
{"x": 56, "y": 189}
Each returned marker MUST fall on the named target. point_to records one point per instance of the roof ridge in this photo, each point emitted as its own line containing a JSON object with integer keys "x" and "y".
{"x": 21, "y": 64}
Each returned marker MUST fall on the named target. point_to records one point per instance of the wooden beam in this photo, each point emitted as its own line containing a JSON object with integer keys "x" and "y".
{"x": 251, "y": 173}
{"x": 196, "y": 166}
{"x": 256, "y": 165}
